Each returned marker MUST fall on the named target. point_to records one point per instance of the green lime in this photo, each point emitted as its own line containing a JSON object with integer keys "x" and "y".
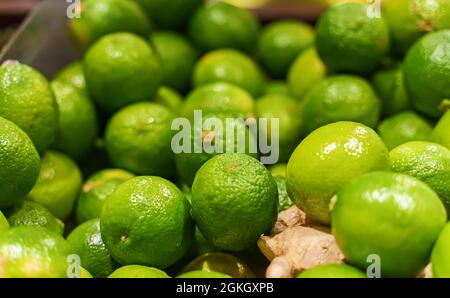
{"x": 277, "y": 87}
{"x": 169, "y": 98}
{"x": 101, "y": 17}
{"x": 427, "y": 72}
{"x": 387, "y": 215}
{"x": 350, "y": 40}
{"x": 200, "y": 246}
{"x": 428, "y": 162}
{"x": 222, "y": 25}
{"x": 286, "y": 110}
{"x": 4, "y": 225}
{"x": 138, "y": 271}
{"x": 234, "y": 200}
{"x": 327, "y": 159}
{"x": 281, "y": 42}
{"x": 218, "y": 98}
{"x": 138, "y": 138}
{"x": 58, "y": 184}
{"x": 278, "y": 170}
{"x": 77, "y": 121}
{"x": 404, "y": 127}
{"x": 96, "y": 189}
{"x": 147, "y": 221}
{"x": 332, "y": 271}
{"x": 217, "y": 135}
{"x": 408, "y": 20}
{"x": 121, "y": 69}
{"x": 230, "y": 66}
{"x": 84, "y": 273}
{"x": 340, "y": 98}
{"x": 305, "y": 72}
{"x": 440, "y": 257}
{"x": 220, "y": 262}
{"x": 27, "y": 100}
{"x": 284, "y": 201}
{"x": 440, "y": 132}
{"x": 173, "y": 14}
{"x": 178, "y": 57}
{"x": 388, "y": 84}
{"x": 32, "y": 252}
{"x": 19, "y": 163}
{"x": 73, "y": 74}
{"x": 203, "y": 274}
{"x": 29, "y": 213}
{"x": 86, "y": 241}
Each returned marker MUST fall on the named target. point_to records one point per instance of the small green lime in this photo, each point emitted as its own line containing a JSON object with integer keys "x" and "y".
{"x": 29, "y": 213}
{"x": 4, "y": 225}
{"x": 221, "y": 25}
{"x": 332, "y": 271}
{"x": 138, "y": 139}
{"x": 234, "y": 200}
{"x": 203, "y": 274}
{"x": 440, "y": 132}
{"x": 327, "y": 159}
{"x": 230, "y": 66}
{"x": 138, "y": 271}
{"x": 169, "y": 98}
{"x": 73, "y": 74}
{"x": 86, "y": 241}
{"x": 121, "y": 69}
{"x": 440, "y": 257}
{"x": 388, "y": 215}
{"x": 96, "y": 189}
{"x": 147, "y": 221}
{"x": 404, "y": 127}
{"x": 277, "y": 87}
{"x": 58, "y": 184}
{"x": 19, "y": 163}
{"x": 278, "y": 170}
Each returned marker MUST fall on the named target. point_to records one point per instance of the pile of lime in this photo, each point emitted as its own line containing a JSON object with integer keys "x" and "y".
{"x": 187, "y": 126}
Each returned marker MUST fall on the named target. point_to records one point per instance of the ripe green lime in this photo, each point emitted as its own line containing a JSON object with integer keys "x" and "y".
{"x": 218, "y": 98}
{"x": 408, "y": 20}
{"x": 96, "y": 189}
{"x": 428, "y": 162}
{"x": 391, "y": 215}
{"x": 27, "y": 100}
{"x": 305, "y": 72}
{"x": 440, "y": 132}
{"x": 77, "y": 121}
{"x": 222, "y": 25}
{"x": 73, "y": 73}
{"x": 169, "y": 98}
{"x": 203, "y": 274}
{"x": 147, "y": 221}
{"x": 86, "y": 241}
{"x": 58, "y": 184}
{"x": 440, "y": 257}
{"x": 31, "y": 252}
{"x": 29, "y": 213}
{"x": 101, "y": 17}
{"x": 230, "y": 66}
{"x": 178, "y": 57}
{"x": 207, "y": 142}
{"x": 234, "y": 200}
{"x": 278, "y": 170}
{"x": 286, "y": 110}
{"x": 281, "y": 42}
{"x": 138, "y": 139}
{"x": 84, "y": 273}
{"x": 19, "y": 163}
{"x": 138, "y": 271}
{"x": 220, "y": 262}
{"x": 4, "y": 225}
{"x": 121, "y": 69}
{"x": 427, "y": 72}
{"x": 340, "y": 98}
{"x": 349, "y": 40}
{"x": 173, "y": 14}
{"x": 332, "y": 271}
{"x": 329, "y": 158}
{"x": 277, "y": 87}
{"x": 404, "y": 127}
{"x": 389, "y": 86}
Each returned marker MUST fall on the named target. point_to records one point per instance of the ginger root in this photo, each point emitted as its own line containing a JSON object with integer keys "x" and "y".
{"x": 296, "y": 244}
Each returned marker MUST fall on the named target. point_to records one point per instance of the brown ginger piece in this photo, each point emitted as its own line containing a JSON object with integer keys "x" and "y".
{"x": 295, "y": 245}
